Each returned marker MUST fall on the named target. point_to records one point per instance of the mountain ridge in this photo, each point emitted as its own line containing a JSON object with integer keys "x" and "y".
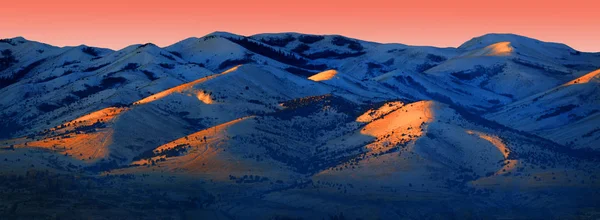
{"x": 506, "y": 35}
{"x": 297, "y": 122}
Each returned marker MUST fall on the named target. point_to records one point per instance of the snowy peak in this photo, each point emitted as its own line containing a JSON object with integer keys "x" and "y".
{"x": 489, "y": 39}
{"x": 523, "y": 46}
{"x": 498, "y": 49}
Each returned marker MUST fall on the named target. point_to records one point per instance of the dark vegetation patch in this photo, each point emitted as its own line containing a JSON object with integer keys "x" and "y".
{"x": 355, "y": 46}
{"x": 89, "y": 90}
{"x": 582, "y": 66}
{"x": 508, "y": 95}
{"x": 54, "y": 193}
{"x": 248, "y": 179}
{"x": 424, "y": 67}
{"x": 9, "y": 80}
{"x": 478, "y": 71}
{"x": 90, "y": 128}
{"x": 303, "y": 107}
{"x": 300, "y": 72}
{"x": 198, "y": 64}
{"x": 69, "y": 99}
{"x": 103, "y": 166}
{"x": 49, "y": 78}
{"x": 205, "y": 38}
{"x": 90, "y": 51}
{"x": 256, "y": 101}
{"x": 371, "y": 65}
{"x": 234, "y": 62}
{"x": 8, "y": 126}
{"x": 278, "y": 42}
{"x": 324, "y": 157}
{"x": 309, "y": 39}
{"x": 107, "y": 82}
{"x": 8, "y": 41}
{"x": 7, "y": 59}
{"x": 131, "y": 66}
{"x": 176, "y": 54}
{"x": 494, "y": 101}
{"x": 352, "y": 44}
{"x": 557, "y": 111}
{"x": 47, "y": 107}
{"x": 396, "y": 50}
{"x": 168, "y": 56}
{"x": 183, "y": 114}
{"x": 436, "y": 58}
{"x": 375, "y": 69}
{"x": 539, "y": 66}
{"x": 94, "y": 68}
{"x": 333, "y": 55}
{"x": 67, "y": 72}
{"x": 301, "y": 48}
{"x": 310, "y": 164}
{"x": 410, "y": 82}
{"x": 67, "y": 63}
{"x": 145, "y": 45}
{"x": 173, "y": 152}
{"x": 589, "y": 134}
{"x": 150, "y": 75}
{"x": 274, "y": 54}
{"x": 389, "y": 62}
{"x": 167, "y": 65}
{"x": 585, "y": 153}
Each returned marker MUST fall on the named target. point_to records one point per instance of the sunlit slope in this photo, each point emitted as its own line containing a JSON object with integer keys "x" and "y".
{"x": 349, "y": 87}
{"x": 325, "y": 75}
{"x": 89, "y": 137}
{"x": 431, "y": 131}
{"x": 497, "y": 49}
{"x": 71, "y": 81}
{"x": 430, "y": 146}
{"x": 204, "y": 153}
{"x": 567, "y": 114}
{"x": 415, "y": 141}
{"x": 86, "y": 138}
{"x": 284, "y": 137}
{"x": 176, "y": 112}
{"x": 513, "y": 66}
{"x": 77, "y": 80}
{"x": 187, "y": 87}
{"x": 587, "y": 78}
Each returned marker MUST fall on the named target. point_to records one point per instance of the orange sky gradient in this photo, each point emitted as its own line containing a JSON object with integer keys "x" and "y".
{"x": 115, "y": 24}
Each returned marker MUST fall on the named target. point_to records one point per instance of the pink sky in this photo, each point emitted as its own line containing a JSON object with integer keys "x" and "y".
{"x": 118, "y": 23}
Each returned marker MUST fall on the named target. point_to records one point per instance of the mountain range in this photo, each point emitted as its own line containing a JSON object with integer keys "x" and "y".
{"x": 290, "y": 125}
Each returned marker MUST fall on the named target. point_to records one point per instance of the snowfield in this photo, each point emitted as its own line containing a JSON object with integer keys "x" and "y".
{"x": 291, "y": 125}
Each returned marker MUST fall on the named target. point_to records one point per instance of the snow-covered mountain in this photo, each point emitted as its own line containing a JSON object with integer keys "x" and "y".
{"x": 294, "y": 125}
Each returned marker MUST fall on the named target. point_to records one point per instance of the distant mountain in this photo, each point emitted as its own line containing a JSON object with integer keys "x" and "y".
{"x": 294, "y": 125}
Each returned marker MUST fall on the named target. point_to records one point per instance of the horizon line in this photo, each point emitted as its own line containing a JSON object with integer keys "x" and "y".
{"x": 285, "y": 32}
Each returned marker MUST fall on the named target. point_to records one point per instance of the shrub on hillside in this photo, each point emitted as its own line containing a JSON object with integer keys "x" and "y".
{"x": 7, "y": 59}
{"x": 309, "y": 39}
{"x": 90, "y": 51}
